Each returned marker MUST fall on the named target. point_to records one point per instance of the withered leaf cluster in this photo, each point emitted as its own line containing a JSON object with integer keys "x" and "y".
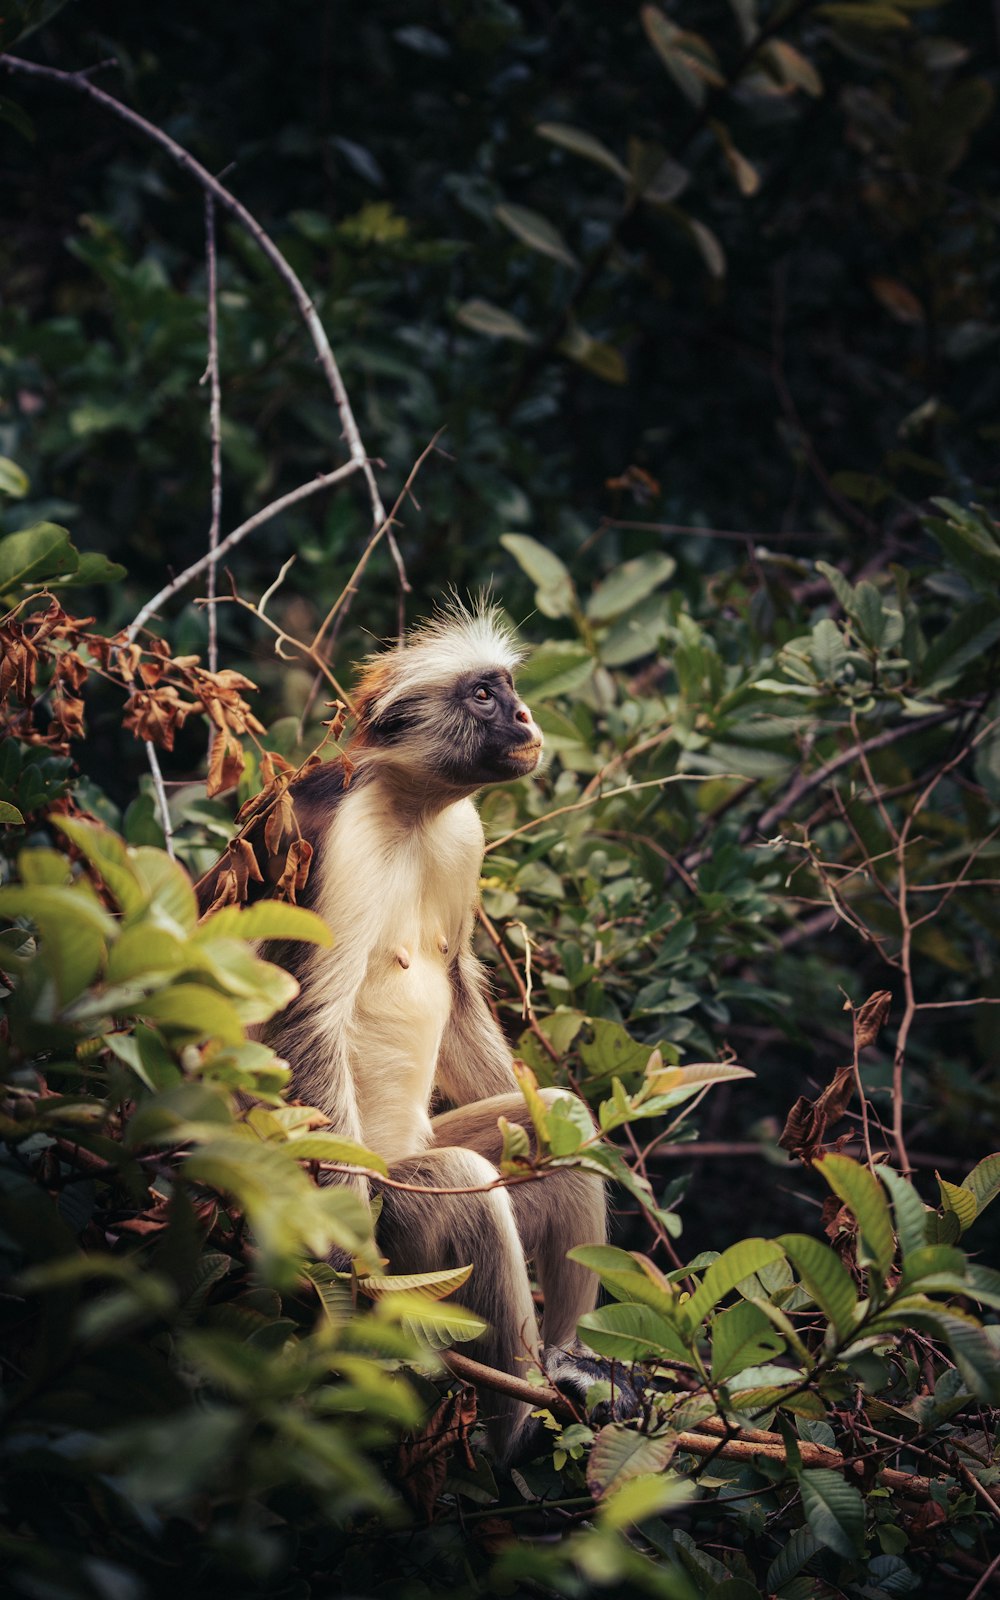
{"x": 47, "y": 657}
{"x": 809, "y": 1121}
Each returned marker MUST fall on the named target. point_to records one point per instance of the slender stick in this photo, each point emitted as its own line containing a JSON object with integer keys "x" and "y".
{"x": 215, "y": 424}
{"x": 161, "y": 798}
{"x": 265, "y": 514}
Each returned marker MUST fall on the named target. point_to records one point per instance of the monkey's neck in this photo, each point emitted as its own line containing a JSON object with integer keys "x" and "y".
{"x": 412, "y": 796}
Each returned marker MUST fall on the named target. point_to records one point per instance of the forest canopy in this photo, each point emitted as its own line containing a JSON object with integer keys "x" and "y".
{"x": 673, "y": 327}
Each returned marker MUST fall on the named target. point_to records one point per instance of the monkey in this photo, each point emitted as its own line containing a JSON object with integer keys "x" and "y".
{"x": 391, "y": 1035}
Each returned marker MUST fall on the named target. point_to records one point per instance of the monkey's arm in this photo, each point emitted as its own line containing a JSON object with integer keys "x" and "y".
{"x": 475, "y": 1059}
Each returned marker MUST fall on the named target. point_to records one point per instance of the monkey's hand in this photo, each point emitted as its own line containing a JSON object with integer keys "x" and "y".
{"x": 575, "y": 1370}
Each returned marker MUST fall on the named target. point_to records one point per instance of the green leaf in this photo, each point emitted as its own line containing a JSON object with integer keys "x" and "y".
{"x": 619, "y": 1454}
{"x": 828, "y": 649}
{"x": 268, "y": 919}
{"x": 192, "y": 1010}
{"x": 863, "y": 1196}
{"x": 834, "y": 1510}
{"x": 866, "y": 14}
{"x": 167, "y": 886}
{"x": 800, "y": 1547}
{"x": 584, "y": 144}
{"x": 74, "y": 929}
{"x": 967, "y": 638}
{"x": 438, "y": 1324}
{"x": 911, "y": 1213}
{"x": 428, "y": 1285}
{"x": 319, "y": 1146}
{"x": 742, "y": 1337}
{"x": 630, "y": 1332}
{"x": 629, "y": 1277}
{"x": 826, "y": 1279}
{"x": 628, "y": 584}
{"x": 40, "y": 552}
{"x": 9, "y": 814}
{"x": 110, "y": 856}
{"x": 984, "y": 1181}
{"x": 740, "y": 1261}
{"x": 557, "y": 668}
{"x": 644, "y": 1497}
{"x": 13, "y": 481}
{"x": 536, "y": 232}
{"x": 603, "y": 360}
{"x": 709, "y": 247}
{"x": 555, "y": 593}
{"x": 960, "y": 1202}
{"x": 484, "y": 317}
{"x": 92, "y": 568}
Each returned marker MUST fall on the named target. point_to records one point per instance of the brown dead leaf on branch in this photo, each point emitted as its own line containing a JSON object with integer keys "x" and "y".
{"x": 808, "y": 1121}
{"x": 295, "y": 872}
{"x": 422, "y": 1461}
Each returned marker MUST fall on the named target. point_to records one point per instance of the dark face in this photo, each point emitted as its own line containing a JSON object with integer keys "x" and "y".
{"x": 496, "y": 736}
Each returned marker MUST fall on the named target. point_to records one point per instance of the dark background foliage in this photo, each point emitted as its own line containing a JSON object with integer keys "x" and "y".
{"x": 757, "y": 331}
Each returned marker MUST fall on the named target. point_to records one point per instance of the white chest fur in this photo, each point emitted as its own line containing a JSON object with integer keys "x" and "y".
{"x": 399, "y": 897}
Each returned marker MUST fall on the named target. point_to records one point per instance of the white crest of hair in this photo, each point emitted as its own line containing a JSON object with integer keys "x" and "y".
{"x": 459, "y": 639}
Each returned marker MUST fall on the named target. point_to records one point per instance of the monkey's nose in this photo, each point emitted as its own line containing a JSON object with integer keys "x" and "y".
{"x": 522, "y": 714}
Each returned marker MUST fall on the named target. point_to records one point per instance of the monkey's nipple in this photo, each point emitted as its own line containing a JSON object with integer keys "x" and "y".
{"x": 403, "y": 957}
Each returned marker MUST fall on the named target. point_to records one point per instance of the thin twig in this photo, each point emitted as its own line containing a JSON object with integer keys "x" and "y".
{"x": 805, "y": 783}
{"x": 265, "y": 514}
{"x": 161, "y": 798}
{"x": 609, "y": 794}
{"x": 215, "y": 427}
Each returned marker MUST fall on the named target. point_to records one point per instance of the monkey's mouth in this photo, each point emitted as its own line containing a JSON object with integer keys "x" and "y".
{"x": 526, "y": 755}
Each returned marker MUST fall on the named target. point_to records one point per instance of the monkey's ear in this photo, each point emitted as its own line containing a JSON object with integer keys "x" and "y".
{"x": 374, "y": 684}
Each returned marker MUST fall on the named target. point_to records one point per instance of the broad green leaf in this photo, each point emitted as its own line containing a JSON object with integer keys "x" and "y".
{"x": 110, "y": 856}
{"x": 484, "y": 317}
{"x": 428, "y": 1285}
{"x": 834, "y": 1510}
{"x": 644, "y": 1497}
{"x": 536, "y": 232}
{"x": 800, "y": 1547}
{"x": 863, "y": 1196}
{"x": 268, "y": 919}
{"x": 555, "y": 593}
{"x": 742, "y": 1337}
{"x": 911, "y": 1213}
{"x": 866, "y": 14}
{"x": 319, "y": 1146}
{"x": 868, "y": 613}
{"x": 619, "y": 1453}
{"x": 167, "y": 885}
{"x": 516, "y": 1144}
{"x": 602, "y": 359}
{"x": 838, "y": 583}
{"x": 14, "y": 481}
{"x": 584, "y": 144}
{"x": 984, "y": 1181}
{"x": 628, "y": 1277}
{"x": 976, "y": 1357}
{"x": 528, "y": 1084}
{"x": 961, "y": 1202}
{"x": 436, "y": 1323}
{"x": 826, "y": 1279}
{"x": 74, "y": 929}
{"x": 10, "y": 815}
{"x": 194, "y": 1010}
{"x": 792, "y": 68}
{"x": 40, "y": 552}
{"x": 735, "y": 1264}
{"x": 827, "y": 648}
{"x": 967, "y": 638}
{"x": 628, "y": 584}
{"x": 709, "y": 246}
{"x": 629, "y": 1332}
{"x": 557, "y": 668}
{"x": 142, "y": 951}
{"x": 930, "y": 1261}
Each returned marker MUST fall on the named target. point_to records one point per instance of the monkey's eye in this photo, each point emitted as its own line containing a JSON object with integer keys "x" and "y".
{"x": 482, "y": 694}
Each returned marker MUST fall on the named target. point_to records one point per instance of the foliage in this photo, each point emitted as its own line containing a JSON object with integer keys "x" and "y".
{"x": 705, "y": 295}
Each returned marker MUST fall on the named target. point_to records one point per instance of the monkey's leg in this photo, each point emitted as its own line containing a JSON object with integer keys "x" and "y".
{"x": 431, "y": 1232}
{"x": 566, "y": 1209}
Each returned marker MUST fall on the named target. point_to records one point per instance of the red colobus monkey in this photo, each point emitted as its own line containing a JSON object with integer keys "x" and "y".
{"x": 391, "y": 1024}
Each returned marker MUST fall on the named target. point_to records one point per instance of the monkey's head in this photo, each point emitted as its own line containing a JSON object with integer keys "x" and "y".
{"x": 442, "y": 707}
